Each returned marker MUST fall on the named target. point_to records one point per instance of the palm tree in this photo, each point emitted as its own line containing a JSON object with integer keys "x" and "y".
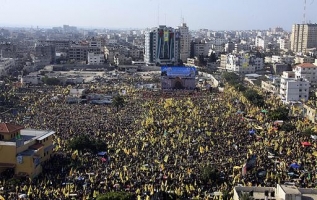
{"x": 118, "y": 102}
{"x": 246, "y": 196}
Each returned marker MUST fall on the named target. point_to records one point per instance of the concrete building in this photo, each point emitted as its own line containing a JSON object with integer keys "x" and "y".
{"x": 256, "y": 193}
{"x": 306, "y": 71}
{"x": 31, "y": 79}
{"x": 280, "y": 68}
{"x": 303, "y": 37}
{"x": 95, "y": 59}
{"x": 261, "y": 42}
{"x": 184, "y": 42}
{"x": 46, "y": 52}
{"x": 95, "y": 43}
{"x": 243, "y": 63}
{"x": 303, "y": 59}
{"x": 293, "y": 89}
{"x": 280, "y": 192}
{"x": 24, "y": 150}
{"x": 199, "y": 49}
{"x": 310, "y": 112}
{"x": 272, "y": 85}
{"x": 59, "y": 44}
{"x": 162, "y": 46}
{"x": 80, "y": 52}
{"x": 6, "y": 64}
{"x": 229, "y": 47}
{"x": 285, "y": 44}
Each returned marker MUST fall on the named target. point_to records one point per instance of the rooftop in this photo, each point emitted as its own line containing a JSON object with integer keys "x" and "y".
{"x": 9, "y": 128}
{"x": 32, "y": 134}
{"x": 306, "y": 65}
{"x": 290, "y": 189}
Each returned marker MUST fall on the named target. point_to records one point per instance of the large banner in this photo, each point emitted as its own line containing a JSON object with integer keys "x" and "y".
{"x": 178, "y": 78}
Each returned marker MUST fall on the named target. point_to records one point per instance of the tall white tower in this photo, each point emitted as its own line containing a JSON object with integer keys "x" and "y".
{"x": 184, "y": 46}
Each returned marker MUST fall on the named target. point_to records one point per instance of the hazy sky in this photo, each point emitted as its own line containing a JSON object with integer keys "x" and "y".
{"x": 210, "y": 14}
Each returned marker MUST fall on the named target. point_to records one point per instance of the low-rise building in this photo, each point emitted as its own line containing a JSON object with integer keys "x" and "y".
{"x": 304, "y": 59}
{"x": 280, "y": 192}
{"x": 6, "y": 64}
{"x": 279, "y": 68}
{"x": 310, "y": 112}
{"x": 306, "y": 71}
{"x": 293, "y": 89}
{"x": 242, "y": 63}
{"x": 96, "y": 59}
{"x": 24, "y": 150}
{"x": 272, "y": 85}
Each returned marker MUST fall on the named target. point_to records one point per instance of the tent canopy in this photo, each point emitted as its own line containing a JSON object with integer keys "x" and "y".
{"x": 306, "y": 144}
{"x": 102, "y": 153}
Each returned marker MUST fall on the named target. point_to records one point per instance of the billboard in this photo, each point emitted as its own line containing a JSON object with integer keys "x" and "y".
{"x": 178, "y": 78}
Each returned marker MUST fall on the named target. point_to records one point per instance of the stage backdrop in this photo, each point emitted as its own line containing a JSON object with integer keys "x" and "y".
{"x": 182, "y": 78}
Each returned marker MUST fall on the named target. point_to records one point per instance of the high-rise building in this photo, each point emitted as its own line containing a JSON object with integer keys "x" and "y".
{"x": 184, "y": 42}
{"x": 304, "y": 37}
{"x": 162, "y": 46}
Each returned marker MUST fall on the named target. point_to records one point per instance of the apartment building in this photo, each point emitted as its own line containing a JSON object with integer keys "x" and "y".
{"x": 242, "y": 63}
{"x": 6, "y": 64}
{"x": 261, "y": 42}
{"x": 162, "y": 46}
{"x": 280, "y": 192}
{"x": 285, "y": 44}
{"x": 59, "y": 44}
{"x": 306, "y": 71}
{"x": 293, "y": 89}
{"x": 184, "y": 42}
{"x": 95, "y": 59}
{"x": 303, "y": 59}
{"x": 272, "y": 86}
{"x": 80, "y": 52}
{"x": 45, "y": 52}
{"x": 24, "y": 150}
{"x": 303, "y": 37}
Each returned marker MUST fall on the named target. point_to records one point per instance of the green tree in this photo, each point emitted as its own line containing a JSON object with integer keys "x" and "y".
{"x": 309, "y": 132}
{"x": 231, "y": 78}
{"x": 286, "y": 126}
{"x": 50, "y": 81}
{"x": 281, "y": 113}
{"x": 86, "y": 144}
{"x": 254, "y": 97}
{"x": 115, "y": 196}
{"x": 118, "y": 102}
{"x": 208, "y": 173}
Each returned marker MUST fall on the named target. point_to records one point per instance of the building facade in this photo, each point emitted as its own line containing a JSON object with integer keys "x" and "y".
{"x": 184, "y": 42}
{"x": 293, "y": 89}
{"x": 242, "y": 63}
{"x": 80, "y": 52}
{"x": 306, "y": 71}
{"x": 162, "y": 46}
{"x": 24, "y": 150}
{"x": 95, "y": 59}
{"x": 304, "y": 37}
{"x": 6, "y": 64}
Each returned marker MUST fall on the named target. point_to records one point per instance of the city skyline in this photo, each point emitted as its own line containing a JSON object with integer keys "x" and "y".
{"x": 140, "y": 14}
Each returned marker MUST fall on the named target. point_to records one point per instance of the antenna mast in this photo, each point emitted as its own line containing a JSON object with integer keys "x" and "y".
{"x": 304, "y": 14}
{"x": 158, "y": 14}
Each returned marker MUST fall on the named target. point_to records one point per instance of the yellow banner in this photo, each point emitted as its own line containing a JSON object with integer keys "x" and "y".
{"x": 165, "y": 36}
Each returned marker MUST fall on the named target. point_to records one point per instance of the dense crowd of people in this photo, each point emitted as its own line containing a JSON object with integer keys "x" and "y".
{"x": 189, "y": 144}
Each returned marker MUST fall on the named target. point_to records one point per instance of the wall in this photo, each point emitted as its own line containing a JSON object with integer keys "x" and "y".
{"x": 8, "y": 154}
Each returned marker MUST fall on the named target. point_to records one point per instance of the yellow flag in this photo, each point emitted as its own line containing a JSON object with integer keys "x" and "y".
{"x": 166, "y": 158}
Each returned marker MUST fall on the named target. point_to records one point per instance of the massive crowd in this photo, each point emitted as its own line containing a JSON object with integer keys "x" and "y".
{"x": 188, "y": 144}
